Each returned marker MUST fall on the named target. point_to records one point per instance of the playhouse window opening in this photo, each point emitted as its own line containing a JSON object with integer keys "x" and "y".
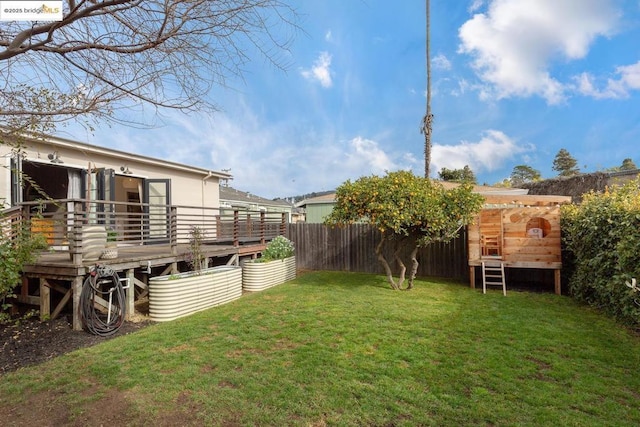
{"x": 538, "y": 227}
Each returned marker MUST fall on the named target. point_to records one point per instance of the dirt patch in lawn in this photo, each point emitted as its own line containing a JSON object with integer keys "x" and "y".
{"x": 30, "y": 342}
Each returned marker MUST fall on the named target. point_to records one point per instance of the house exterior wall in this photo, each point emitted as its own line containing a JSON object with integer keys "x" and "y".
{"x": 188, "y": 186}
{"x": 317, "y": 212}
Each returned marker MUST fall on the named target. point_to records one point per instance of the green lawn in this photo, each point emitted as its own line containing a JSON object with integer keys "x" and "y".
{"x": 344, "y": 349}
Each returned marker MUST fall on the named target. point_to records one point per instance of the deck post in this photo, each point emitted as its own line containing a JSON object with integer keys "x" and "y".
{"x": 131, "y": 292}
{"x": 76, "y": 286}
{"x": 26, "y": 218}
{"x": 472, "y": 276}
{"x": 236, "y": 228}
{"x": 283, "y": 224}
{"x": 173, "y": 224}
{"x": 219, "y": 233}
{"x": 76, "y": 238}
{"x": 24, "y": 289}
{"x": 557, "y": 282}
{"x": 45, "y": 300}
{"x": 249, "y": 229}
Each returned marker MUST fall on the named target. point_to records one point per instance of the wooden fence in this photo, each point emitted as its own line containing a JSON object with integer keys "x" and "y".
{"x": 351, "y": 248}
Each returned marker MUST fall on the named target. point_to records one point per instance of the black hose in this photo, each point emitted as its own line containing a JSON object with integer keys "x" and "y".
{"x": 105, "y": 284}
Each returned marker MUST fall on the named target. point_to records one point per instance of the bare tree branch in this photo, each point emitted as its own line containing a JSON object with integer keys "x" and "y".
{"x": 108, "y": 55}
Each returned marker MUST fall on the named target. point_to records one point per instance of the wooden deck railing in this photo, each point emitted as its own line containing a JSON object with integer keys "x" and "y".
{"x": 10, "y": 223}
{"x": 62, "y": 223}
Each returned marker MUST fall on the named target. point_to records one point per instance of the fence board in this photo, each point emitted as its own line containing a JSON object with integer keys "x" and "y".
{"x": 352, "y": 248}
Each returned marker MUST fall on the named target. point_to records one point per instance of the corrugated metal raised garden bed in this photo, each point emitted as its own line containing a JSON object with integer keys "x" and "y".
{"x": 182, "y": 294}
{"x": 258, "y": 276}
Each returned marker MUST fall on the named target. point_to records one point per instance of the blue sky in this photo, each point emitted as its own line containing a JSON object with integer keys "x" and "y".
{"x": 513, "y": 82}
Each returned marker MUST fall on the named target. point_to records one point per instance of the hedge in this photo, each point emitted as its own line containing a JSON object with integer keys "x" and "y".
{"x": 602, "y": 236}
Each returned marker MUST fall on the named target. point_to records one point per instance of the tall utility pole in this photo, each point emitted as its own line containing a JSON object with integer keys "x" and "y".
{"x": 427, "y": 120}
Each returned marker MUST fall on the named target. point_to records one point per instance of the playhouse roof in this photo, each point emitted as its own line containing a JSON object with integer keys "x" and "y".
{"x": 523, "y": 200}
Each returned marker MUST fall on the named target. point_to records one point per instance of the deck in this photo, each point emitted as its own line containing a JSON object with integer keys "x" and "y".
{"x": 151, "y": 240}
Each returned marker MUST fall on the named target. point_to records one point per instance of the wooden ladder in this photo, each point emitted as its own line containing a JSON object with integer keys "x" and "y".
{"x": 493, "y": 275}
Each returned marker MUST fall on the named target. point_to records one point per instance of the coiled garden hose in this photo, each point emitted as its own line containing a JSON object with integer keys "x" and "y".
{"x": 102, "y": 301}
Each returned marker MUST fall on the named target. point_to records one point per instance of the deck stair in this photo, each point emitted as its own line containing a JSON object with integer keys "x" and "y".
{"x": 493, "y": 275}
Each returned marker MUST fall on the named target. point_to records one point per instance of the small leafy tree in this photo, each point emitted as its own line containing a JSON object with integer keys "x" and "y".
{"x": 565, "y": 163}
{"x": 458, "y": 175}
{"x": 523, "y": 174}
{"x": 196, "y": 257}
{"x": 410, "y": 210}
{"x": 14, "y": 254}
{"x": 628, "y": 165}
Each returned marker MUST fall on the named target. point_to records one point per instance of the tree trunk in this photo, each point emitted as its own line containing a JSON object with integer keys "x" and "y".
{"x": 385, "y": 264}
{"x": 403, "y": 268}
{"x": 427, "y": 121}
{"x": 402, "y": 243}
{"x": 414, "y": 266}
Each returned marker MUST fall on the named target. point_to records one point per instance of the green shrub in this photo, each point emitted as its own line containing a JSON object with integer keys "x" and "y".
{"x": 278, "y": 248}
{"x": 14, "y": 254}
{"x": 603, "y": 238}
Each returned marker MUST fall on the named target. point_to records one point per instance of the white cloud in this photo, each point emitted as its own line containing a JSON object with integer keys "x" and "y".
{"x": 328, "y": 36}
{"x": 586, "y": 85}
{"x": 475, "y": 5}
{"x": 488, "y": 154}
{"x": 464, "y": 86}
{"x": 515, "y": 42}
{"x": 629, "y": 79}
{"x": 321, "y": 70}
{"x": 441, "y": 62}
{"x": 366, "y": 154}
{"x": 630, "y": 75}
{"x": 269, "y": 159}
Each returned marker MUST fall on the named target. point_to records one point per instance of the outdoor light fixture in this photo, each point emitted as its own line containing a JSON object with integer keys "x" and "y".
{"x": 55, "y": 157}
{"x": 125, "y": 170}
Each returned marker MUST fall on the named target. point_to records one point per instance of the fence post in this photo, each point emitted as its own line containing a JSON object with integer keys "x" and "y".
{"x": 173, "y": 234}
{"x": 283, "y": 224}
{"x": 262, "y": 226}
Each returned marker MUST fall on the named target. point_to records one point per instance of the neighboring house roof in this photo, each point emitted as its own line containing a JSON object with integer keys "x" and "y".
{"x": 485, "y": 189}
{"x": 480, "y": 189}
{"x": 325, "y": 198}
{"x": 242, "y": 198}
{"x": 57, "y": 142}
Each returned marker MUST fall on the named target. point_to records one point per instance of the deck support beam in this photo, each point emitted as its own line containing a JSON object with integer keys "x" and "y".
{"x": 63, "y": 302}
{"x": 67, "y": 278}
{"x": 45, "y": 300}
{"x": 130, "y": 292}
{"x": 76, "y": 290}
{"x": 472, "y": 276}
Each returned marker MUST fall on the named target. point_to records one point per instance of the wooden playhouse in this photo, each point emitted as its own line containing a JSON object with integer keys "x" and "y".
{"x": 516, "y": 231}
